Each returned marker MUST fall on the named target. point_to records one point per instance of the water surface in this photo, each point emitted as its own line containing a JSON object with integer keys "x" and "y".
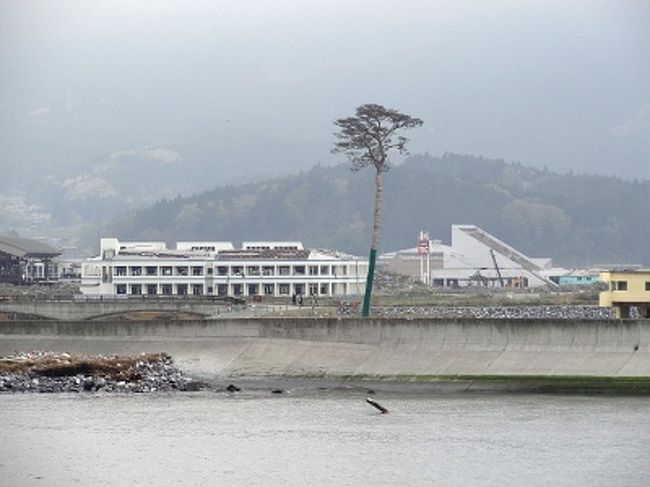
{"x": 323, "y": 438}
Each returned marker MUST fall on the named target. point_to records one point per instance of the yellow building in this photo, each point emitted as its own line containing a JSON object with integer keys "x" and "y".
{"x": 627, "y": 288}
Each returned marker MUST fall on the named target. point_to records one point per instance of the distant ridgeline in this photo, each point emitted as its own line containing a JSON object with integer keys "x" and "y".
{"x": 575, "y": 219}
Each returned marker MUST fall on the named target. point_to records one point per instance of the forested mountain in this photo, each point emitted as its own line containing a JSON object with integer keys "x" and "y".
{"x": 576, "y": 219}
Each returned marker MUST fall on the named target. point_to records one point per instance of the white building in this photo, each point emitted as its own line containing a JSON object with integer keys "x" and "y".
{"x": 218, "y": 269}
{"x": 474, "y": 257}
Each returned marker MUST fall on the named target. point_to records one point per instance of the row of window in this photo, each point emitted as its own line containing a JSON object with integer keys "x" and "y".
{"x": 162, "y": 270}
{"x": 235, "y": 270}
{"x": 282, "y": 289}
{"x": 622, "y": 286}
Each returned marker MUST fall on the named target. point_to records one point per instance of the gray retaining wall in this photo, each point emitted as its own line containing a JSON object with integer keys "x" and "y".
{"x": 356, "y": 347}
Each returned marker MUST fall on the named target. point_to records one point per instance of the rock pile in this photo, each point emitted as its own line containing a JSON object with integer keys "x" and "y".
{"x": 62, "y": 290}
{"x": 51, "y": 372}
{"x": 391, "y": 283}
{"x": 492, "y": 312}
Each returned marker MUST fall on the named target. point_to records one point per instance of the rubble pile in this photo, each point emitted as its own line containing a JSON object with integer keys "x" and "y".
{"x": 62, "y": 290}
{"x": 501, "y": 312}
{"x": 52, "y": 372}
{"x": 391, "y": 283}
{"x": 582, "y": 312}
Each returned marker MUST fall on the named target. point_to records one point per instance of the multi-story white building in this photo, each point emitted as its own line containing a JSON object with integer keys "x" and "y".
{"x": 271, "y": 269}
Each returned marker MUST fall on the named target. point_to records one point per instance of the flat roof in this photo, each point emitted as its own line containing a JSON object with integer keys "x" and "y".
{"x": 263, "y": 254}
{"x": 627, "y": 270}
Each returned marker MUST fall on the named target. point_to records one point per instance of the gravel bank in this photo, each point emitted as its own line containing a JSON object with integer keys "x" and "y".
{"x": 581, "y": 312}
{"x": 52, "y": 372}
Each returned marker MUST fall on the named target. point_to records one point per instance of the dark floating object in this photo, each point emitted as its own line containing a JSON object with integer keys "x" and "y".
{"x": 277, "y": 391}
{"x": 370, "y": 391}
{"x": 195, "y": 386}
{"x": 375, "y": 404}
{"x": 233, "y": 388}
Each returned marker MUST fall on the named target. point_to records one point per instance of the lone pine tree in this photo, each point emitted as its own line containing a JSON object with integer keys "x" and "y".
{"x": 367, "y": 139}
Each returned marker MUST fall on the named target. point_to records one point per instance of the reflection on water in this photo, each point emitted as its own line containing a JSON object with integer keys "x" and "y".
{"x": 323, "y": 438}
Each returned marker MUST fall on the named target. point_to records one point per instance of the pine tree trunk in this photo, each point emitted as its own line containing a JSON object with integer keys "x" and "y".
{"x": 374, "y": 246}
{"x": 376, "y": 218}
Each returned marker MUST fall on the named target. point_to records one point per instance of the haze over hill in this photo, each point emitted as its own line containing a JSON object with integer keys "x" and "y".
{"x": 108, "y": 106}
{"x": 576, "y": 219}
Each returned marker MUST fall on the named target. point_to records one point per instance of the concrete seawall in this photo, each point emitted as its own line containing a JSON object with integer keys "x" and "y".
{"x": 98, "y": 309}
{"x": 359, "y": 348}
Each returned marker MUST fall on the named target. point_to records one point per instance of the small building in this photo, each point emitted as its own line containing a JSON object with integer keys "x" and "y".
{"x": 577, "y": 278}
{"x": 627, "y": 288}
{"x": 272, "y": 269}
{"x": 26, "y": 261}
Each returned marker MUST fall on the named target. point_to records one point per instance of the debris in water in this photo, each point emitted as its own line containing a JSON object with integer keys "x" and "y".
{"x": 375, "y": 404}
{"x": 60, "y": 372}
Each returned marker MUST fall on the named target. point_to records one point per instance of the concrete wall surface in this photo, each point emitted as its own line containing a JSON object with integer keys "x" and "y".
{"x": 357, "y": 347}
{"x": 82, "y": 310}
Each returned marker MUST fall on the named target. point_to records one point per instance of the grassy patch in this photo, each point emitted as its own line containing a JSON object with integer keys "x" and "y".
{"x": 547, "y": 384}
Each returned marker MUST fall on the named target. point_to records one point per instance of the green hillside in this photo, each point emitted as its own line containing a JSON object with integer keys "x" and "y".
{"x": 576, "y": 219}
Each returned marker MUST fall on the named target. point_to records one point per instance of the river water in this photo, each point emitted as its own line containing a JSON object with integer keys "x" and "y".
{"x": 323, "y": 437}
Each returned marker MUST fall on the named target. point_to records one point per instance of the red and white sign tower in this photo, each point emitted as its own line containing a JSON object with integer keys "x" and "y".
{"x": 424, "y": 249}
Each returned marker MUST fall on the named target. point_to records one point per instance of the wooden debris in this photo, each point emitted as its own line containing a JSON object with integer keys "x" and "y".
{"x": 375, "y": 404}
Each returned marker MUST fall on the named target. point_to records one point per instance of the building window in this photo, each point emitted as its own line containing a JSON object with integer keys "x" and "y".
{"x": 181, "y": 271}
{"x": 324, "y": 270}
{"x": 106, "y": 274}
{"x": 647, "y": 285}
{"x": 120, "y": 271}
{"x": 210, "y": 270}
{"x": 197, "y": 270}
{"x": 222, "y": 289}
{"x": 152, "y": 289}
{"x": 621, "y": 285}
{"x": 283, "y": 270}
{"x": 313, "y": 270}
{"x": 269, "y": 289}
{"x": 120, "y": 289}
{"x": 136, "y": 289}
{"x": 299, "y": 270}
{"x": 151, "y": 271}
{"x": 313, "y": 289}
{"x": 197, "y": 289}
{"x": 237, "y": 289}
{"x": 323, "y": 290}
{"x": 222, "y": 270}
{"x": 268, "y": 270}
{"x": 166, "y": 271}
{"x": 166, "y": 289}
{"x": 210, "y": 289}
{"x": 181, "y": 289}
{"x": 237, "y": 270}
{"x": 136, "y": 271}
{"x": 252, "y": 289}
{"x": 284, "y": 289}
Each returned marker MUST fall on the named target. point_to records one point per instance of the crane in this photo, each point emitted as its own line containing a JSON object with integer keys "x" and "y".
{"x": 496, "y": 267}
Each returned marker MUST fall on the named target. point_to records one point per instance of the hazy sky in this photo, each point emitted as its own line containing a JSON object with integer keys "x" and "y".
{"x": 248, "y": 87}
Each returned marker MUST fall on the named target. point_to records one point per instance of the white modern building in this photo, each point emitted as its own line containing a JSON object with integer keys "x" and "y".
{"x": 474, "y": 258}
{"x": 273, "y": 269}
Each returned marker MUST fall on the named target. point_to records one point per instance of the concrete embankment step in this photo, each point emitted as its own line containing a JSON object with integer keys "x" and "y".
{"x": 380, "y": 348}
